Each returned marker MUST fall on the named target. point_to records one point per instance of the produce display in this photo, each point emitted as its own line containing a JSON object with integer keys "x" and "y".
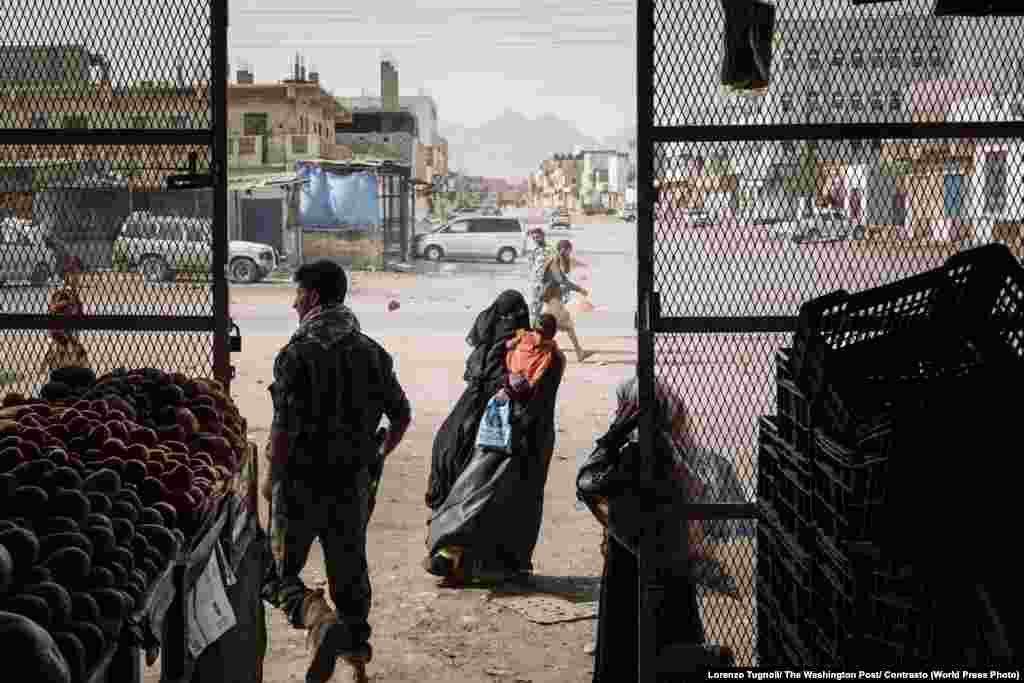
{"x": 102, "y": 483}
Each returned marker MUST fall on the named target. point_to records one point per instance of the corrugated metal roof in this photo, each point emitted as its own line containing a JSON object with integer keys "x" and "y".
{"x": 251, "y": 182}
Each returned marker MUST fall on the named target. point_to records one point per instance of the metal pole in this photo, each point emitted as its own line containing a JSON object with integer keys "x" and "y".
{"x": 646, "y": 633}
{"x": 218, "y": 103}
{"x": 405, "y": 185}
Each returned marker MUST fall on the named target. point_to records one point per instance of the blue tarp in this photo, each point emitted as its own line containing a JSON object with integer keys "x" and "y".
{"x": 334, "y": 200}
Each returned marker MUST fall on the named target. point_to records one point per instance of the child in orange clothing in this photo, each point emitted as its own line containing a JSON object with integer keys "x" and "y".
{"x": 529, "y": 356}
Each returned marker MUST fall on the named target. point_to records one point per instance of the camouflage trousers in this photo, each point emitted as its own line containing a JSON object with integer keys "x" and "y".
{"x": 300, "y": 514}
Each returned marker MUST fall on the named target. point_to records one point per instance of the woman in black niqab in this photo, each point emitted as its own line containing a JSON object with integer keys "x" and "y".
{"x": 485, "y": 372}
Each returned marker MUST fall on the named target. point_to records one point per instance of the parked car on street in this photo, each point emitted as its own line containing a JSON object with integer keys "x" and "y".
{"x": 828, "y": 225}
{"x": 161, "y": 246}
{"x": 23, "y": 257}
{"x": 492, "y": 237}
{"x": 697, "y": 218}
{"x": 778, "y": 228}
{"x": 559, "y": 219}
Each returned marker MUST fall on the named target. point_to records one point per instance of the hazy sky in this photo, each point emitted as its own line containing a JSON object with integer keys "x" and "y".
{"x": 572, "y": 58}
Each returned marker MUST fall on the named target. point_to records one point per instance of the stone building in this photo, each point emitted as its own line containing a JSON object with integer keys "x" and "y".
{"x": 277, "y": 124}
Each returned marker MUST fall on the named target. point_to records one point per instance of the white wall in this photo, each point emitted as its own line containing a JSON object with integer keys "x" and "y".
{"x": 987, "y": 109}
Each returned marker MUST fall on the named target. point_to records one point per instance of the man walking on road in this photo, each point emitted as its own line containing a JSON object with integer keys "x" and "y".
{"x": 539, "y": 258}
{"x": 332, "y": 385}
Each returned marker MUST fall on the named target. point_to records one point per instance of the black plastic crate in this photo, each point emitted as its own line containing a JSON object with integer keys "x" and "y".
{"x": 778, "y": 640}
{"x": 835, "y": 594}
{"x": 785, "y": 482}
{"x": 770, "y": 433}
{"x": 784, "y": 567}
{"x": 824, "y": 650}
{"x": 892, "y": 604}
{"x": 868, "y": 652}
{"x": 850, "y": 486}
{"x": 767, "y": 471}
{"x": 793, "y": 502}
{"x": 800, "y": 439}
{"x": 791, "y": 402}
{"x": 858, "y": 357}
{"x": 795, "y": 421}
{"x": 783, "y": 365}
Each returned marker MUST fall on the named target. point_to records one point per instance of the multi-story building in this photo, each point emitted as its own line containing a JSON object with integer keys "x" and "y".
{"x": 276, "y": 124}
{"x": 69, "y": 87}
{"x": 65, "y": 64}
{"x": 603, "y": 179}
{"x": 852, "y": 69}
{"x": 555, "y": 185}
{"x": 430, "y": 154}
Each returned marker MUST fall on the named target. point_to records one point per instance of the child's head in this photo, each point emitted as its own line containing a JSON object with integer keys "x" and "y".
{"x": 547, "y": 326}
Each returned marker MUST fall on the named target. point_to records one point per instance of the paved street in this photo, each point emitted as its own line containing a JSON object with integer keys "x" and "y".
{"x": 699, "y": 271}
{"x": 448, "y": 295}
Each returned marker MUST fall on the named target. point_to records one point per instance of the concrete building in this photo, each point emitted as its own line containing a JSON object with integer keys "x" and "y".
{"x": 850, "y": 70}
{"x": 555, "y": 185}
{"x": 422, "y": 106}
{"x": 603, "y": 178}
{"x": 389, "y": 85}
{"x": 854, "y": 69}
{"x": 66, "y": 86}
{"x": 64, "y": 64}
{"x": 277, "y": 124}
{"x": 427, "y": 153}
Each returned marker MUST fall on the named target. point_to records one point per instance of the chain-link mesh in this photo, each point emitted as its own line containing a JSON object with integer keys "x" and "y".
{"x": 106, "y": 64}
{"x": 767, "y": 199}
{"x": 27, "y": 352}
{"x": 102, "y": 106}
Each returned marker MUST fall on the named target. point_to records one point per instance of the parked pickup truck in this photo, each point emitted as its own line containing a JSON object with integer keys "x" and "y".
{"x": 161, "y": 246}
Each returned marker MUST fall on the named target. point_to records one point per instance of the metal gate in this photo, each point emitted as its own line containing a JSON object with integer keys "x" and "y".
{"x": 397, "y": 199}
{"x": 887, "y": 140}
{"x": 102, "y": 101}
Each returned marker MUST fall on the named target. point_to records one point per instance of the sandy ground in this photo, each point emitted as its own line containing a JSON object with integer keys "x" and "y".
{"x": 422, "y": 632}
{"x": 425, "y": 633}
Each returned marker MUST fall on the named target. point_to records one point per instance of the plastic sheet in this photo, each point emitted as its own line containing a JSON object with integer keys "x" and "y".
{"x": 338, "y": 201}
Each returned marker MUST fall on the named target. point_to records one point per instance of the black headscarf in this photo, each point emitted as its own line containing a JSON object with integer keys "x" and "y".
{"x": 485, "y": 374}
{"x": 495, "y": 325}
{"x": 508, "y": 312}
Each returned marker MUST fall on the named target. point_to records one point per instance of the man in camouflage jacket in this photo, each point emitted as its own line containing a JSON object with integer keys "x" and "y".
{"x": 332, "y": 386}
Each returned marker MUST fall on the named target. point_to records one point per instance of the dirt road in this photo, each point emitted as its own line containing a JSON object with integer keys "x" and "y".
{"x": 421, "y": 632}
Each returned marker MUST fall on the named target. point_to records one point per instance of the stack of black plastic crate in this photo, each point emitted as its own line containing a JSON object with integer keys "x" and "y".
{"x": 828, "y": 594}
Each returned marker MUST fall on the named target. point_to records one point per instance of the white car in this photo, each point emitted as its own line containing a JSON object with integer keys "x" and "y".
{"x": 161, "y": 246}
{"x": 492, "y": 237}
{"x": 23, "y": 256}
{"x": 827, "y": 226}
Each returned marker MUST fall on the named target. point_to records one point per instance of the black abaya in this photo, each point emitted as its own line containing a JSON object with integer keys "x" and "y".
{"x": 485, "y": 373}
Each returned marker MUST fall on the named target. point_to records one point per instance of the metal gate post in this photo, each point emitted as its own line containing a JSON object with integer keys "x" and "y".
{"x": 222, "y": 369}
{"x": 647, "y": 579}
{"x": 403, "y": 235}
{"x": 116, "y": 162}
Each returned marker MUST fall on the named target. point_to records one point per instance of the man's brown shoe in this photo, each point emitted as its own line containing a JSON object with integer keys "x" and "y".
{"x": 323, "y": 636}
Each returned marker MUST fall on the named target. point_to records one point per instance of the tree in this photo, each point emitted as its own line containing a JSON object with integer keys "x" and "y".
{"x": 804, "y": 179}
{"x": 720, "y": 164}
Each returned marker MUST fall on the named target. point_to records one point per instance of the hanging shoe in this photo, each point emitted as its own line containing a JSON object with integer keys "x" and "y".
{"x": 357, "y": 661}
{"x": 326, "y": 636}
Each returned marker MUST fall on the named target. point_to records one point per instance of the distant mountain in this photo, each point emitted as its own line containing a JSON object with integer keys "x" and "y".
{"x": 621, "y": 140}
{"x": 513, "y": 145}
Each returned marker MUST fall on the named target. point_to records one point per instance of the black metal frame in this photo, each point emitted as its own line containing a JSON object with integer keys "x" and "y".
{"x": 649, "y": 587}
{"x": 216, "y": 139}
{"x": 653, "y": 573}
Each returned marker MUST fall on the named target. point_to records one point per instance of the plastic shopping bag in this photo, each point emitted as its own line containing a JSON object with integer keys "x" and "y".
{"x": 495, "y": 431}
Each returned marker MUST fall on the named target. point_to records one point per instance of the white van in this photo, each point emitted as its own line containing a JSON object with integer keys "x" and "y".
{"x": 488, "y": 237}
